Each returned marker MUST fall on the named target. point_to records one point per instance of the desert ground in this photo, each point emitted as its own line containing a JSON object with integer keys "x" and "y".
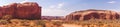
{"x": 60, "y": 23}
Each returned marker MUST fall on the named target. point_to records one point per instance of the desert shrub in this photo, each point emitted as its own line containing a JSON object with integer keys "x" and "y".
{"x": 7, "y": 17}
{"x": 15, "y": 22}
{"x": 26, "y": 23}
{"x": 40, "y": 22}
{"x": 57, "y": 23}
{"x": 3, "y": 22}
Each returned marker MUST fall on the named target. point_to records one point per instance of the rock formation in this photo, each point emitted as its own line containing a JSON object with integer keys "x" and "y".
{"x": 93, "y": 14}
{"x": 26, "y": 10}
{"x": 52, "y": 17}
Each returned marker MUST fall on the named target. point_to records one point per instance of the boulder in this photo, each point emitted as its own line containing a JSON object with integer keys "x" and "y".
{"x": 93, "y": 14}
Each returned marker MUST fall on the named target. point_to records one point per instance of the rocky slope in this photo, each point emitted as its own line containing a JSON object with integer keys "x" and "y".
{"x": 26, "y": 10}
{"x": 93, "y": 14}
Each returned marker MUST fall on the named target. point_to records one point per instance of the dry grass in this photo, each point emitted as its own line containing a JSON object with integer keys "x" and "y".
{"x": 29, "y": 23}
{"x": 45, "y": 23}
{"x": 96, "y": 23}
{"x": 22, "y": 23}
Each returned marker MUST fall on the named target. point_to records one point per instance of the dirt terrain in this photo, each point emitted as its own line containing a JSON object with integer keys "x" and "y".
{"x": 71, "y": 25}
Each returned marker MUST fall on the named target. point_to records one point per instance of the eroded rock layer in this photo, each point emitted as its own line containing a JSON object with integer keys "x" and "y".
{"x": 26, "y": 10}
{"x": 93, "y": 14}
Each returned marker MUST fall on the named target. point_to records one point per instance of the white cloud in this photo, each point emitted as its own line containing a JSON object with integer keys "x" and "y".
{"x": 52, "y": 6}
{"x": 4, "y": 4}
{"x": 112, "y": 2}
{"x": 60, "y": 5}
{"x": 24, "y": 1}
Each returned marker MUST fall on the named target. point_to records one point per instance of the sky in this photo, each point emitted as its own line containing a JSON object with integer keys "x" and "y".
{"x": 65, "y": 7}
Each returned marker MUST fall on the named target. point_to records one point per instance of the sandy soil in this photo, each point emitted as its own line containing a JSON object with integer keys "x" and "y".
{"x": 71, "y": 25}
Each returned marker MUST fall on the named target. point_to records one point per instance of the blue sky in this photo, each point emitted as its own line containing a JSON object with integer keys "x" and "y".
{"x": 64, "y": 7}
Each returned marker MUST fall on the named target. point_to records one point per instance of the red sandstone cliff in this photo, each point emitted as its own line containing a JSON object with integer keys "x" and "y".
{"x": 27, "y": 10}
{"x": 93, "y": 14}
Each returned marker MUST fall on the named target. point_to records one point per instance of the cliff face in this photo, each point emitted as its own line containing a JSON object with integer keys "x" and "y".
{"x": 27, "y": 10}
{"x": 93, "y": 14}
